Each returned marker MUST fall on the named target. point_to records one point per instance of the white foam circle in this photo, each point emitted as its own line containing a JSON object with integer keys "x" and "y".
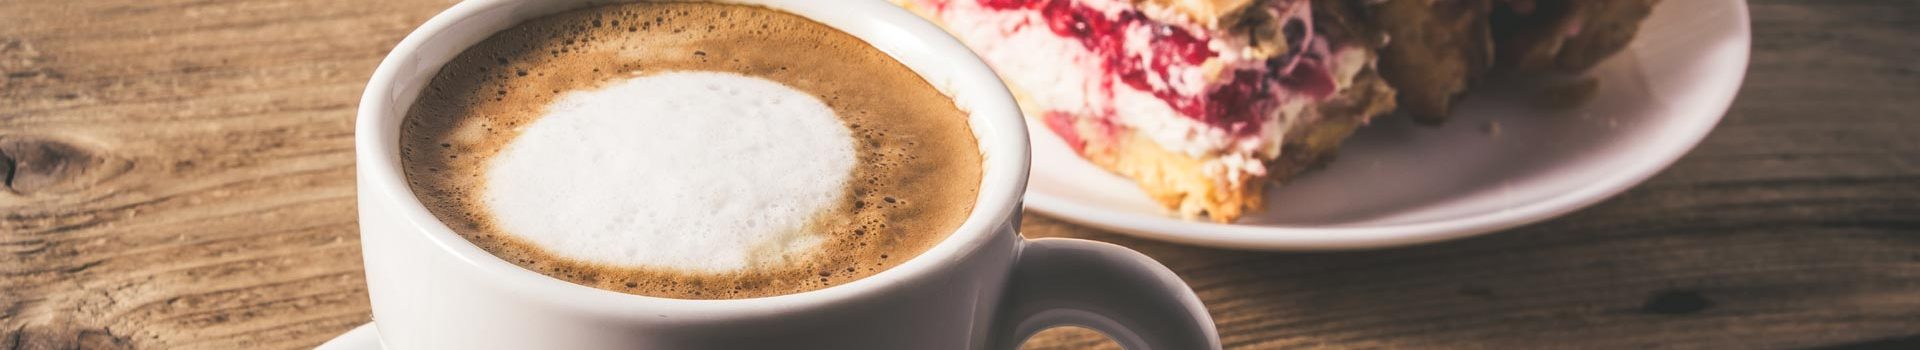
{"x": 694, "y": 171}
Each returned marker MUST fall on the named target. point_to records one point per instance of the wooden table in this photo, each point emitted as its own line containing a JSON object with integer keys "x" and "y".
{"x": 179, "y": 174}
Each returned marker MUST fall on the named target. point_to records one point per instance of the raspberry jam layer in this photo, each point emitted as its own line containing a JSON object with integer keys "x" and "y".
{"x": 1236, "y": 101}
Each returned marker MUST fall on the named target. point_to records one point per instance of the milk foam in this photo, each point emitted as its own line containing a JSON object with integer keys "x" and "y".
{"x": 693, "y": 171}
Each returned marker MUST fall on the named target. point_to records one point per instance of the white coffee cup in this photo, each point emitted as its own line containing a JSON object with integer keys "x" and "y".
{"x": 982, "y": 287}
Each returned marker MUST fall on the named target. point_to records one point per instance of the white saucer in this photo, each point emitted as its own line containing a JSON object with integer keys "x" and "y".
{"x": 1397, "y": 183}
{"x": 364, "y": 337}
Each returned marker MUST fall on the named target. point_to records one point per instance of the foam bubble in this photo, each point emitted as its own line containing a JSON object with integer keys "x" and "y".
{"x": 695, "y": 171}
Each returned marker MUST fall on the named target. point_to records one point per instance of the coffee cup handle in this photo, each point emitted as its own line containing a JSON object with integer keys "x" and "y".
{"x": 1111, "y": 289}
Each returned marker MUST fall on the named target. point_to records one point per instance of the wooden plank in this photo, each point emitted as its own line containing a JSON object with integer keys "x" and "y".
{"x": 179, "y": 175}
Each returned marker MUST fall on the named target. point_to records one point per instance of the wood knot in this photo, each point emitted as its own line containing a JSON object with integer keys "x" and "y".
{"x": 1478, "y": 292}
{"x": 65, "y": 337}
{"x": 18, "y": 55}
{"x": 1676, "y": 302}
{"x": 30, "y": 165}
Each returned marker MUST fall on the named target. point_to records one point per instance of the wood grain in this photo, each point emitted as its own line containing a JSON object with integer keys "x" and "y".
{"x": 178, "y": 175}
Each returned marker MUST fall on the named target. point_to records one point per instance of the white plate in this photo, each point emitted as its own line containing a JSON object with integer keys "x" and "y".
{"x": 1397, "y": 183}
{"x": 364, "y": 337}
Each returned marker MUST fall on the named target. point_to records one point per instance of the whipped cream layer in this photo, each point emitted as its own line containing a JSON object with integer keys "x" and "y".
{"x": 1221, "y": 96}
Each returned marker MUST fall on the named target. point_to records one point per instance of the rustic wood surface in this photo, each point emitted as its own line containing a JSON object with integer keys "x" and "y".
{"x": 179, "y": 175}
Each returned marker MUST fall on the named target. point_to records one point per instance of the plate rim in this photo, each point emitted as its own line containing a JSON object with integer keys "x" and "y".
{"x": 1309, "y": 238}
{"x": 362, "y": 337}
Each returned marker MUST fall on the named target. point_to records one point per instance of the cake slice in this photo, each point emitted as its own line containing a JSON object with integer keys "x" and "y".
{"x": 1567, "y": 36}
{"x": 1438, "y": 48}
{"x": 1435, "y": 50}
{"x": 1201, "y": 102}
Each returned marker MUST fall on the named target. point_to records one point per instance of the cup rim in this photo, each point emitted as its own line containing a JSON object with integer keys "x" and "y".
{"x": 933, "y": 54}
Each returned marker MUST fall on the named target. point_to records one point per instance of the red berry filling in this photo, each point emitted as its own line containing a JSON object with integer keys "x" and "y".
{"x": 1236, "y": 106}
{"x": 1062, "y": 125}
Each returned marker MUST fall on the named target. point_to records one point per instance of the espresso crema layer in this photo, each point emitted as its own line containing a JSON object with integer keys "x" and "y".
{"x": 690, "y": 150}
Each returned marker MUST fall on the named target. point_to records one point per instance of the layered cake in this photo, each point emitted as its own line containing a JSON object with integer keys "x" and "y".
{"x": 1436, "y": 49}
{"x": 1566, "y": 36}
{"x": 1204, "y": 103}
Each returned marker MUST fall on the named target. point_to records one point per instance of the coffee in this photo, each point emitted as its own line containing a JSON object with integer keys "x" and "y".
{"x": 690, "y": 150}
